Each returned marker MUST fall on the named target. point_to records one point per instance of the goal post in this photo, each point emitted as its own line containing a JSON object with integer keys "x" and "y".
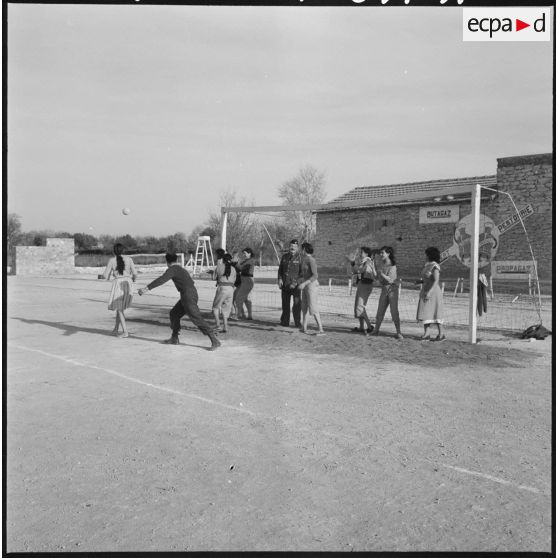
{"x": 474, "y": 271}
{"x": 255, "y": 209}
{"x": 473, "y": 190}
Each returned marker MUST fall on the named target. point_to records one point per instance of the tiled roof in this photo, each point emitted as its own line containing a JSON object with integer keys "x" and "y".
{"x": 369, "y": 193}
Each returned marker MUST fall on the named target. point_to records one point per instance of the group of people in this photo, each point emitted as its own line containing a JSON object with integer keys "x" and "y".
{"x": 297, "y": 278}
{"x": 235, "y": 281}
{"x": 430, "y": 305}
{"x": 122, "y": 271}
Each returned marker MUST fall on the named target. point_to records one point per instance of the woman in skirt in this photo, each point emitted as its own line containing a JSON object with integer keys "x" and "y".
{"x": 309, "y": 288}
{"x": 430, "y": 308}
{"x": 225, "y": 275}
{"x": 121, "y": 270}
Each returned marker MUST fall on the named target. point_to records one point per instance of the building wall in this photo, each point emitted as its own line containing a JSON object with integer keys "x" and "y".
{"x": 529, "y": 180}
{"x": 57, "y": 257}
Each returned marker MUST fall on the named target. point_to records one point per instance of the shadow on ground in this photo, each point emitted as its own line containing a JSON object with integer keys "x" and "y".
{"x": 69, "y": 329}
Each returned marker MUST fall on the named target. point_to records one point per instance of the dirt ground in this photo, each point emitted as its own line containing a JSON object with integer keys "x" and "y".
{"x": 277, "y": 441}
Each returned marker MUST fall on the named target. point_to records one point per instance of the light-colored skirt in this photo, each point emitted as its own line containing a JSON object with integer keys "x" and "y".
{"x": 121, "y": 294}
{"x": 363, "y": 292}
{"x": 242, "y": 293}
{"x": 310, "y": 298}
{"x": 431, "y": 311}
{"x": 223, "y": 299}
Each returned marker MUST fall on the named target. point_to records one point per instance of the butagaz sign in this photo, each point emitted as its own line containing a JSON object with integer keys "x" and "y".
{"x": 513, "y": 269}
{"x": 439, "y": 214}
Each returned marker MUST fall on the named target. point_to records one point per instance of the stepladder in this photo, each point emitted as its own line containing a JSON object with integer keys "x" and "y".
{"x": 203, "y": 259}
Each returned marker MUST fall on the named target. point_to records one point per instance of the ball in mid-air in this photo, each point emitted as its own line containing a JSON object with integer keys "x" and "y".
{"x": 126, "y": 211}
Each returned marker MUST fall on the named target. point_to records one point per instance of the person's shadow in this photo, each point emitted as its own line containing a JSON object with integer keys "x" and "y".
{"x": 69, "y": 329}
{"x": 262, "y": 325}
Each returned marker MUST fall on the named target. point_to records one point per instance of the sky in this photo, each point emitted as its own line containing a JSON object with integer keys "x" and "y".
{"x": 163, "y": 109}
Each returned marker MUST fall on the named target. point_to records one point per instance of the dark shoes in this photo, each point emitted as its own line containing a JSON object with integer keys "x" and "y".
{"x": 367, "y": 330}
{"x": 215, "y": 343}
{"x": 172, "y": 341}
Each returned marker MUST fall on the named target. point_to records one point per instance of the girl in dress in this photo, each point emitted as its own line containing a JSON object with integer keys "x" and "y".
{"x": 122, "y": 271}
{"x": 225, "y": 275}
{"x": 387, "y": 275}
{"x": 430, "y": 308}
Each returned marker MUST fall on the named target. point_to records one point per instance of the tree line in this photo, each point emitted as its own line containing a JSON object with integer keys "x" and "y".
{"x": 267, "y": 235}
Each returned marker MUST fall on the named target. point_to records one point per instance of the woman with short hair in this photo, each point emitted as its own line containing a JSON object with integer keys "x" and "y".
{"x": 242, "y": 293}
{"x": 430, "y": 309}
{"x": 309, "y": 288}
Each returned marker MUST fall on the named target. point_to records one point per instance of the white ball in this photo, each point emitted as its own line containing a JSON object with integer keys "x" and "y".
{"x": 125, "y": 211}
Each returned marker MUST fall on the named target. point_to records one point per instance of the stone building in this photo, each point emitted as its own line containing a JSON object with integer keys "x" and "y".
{"x": 417, "y": 218}
{"x": 57, "y": 257}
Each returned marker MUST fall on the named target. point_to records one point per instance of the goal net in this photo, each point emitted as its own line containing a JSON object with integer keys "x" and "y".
{"x": 508, "y": 292}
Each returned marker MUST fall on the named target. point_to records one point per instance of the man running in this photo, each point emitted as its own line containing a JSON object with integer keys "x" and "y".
{"x": 188, "y": 303}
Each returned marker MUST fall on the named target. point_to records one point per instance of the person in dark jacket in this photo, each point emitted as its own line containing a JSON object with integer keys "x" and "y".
{"x": 242, "y": 294}
{"x": 288, "y": 277}
{"x": 188, "y": 303}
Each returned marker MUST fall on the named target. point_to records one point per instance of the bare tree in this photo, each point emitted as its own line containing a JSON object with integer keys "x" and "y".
{"x": 241, "y": 227}
{"x": 307, "y": 187}
{"x": 177, "y": 243}
{"x": 13, "y": 229}
{"x": 84, "y": 241}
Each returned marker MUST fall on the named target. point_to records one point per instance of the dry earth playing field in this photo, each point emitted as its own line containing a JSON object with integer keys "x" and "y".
{"x": 277, "y": 441}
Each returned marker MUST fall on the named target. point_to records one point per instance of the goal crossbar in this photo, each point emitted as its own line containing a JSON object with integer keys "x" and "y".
{"x": 393, "y": 200}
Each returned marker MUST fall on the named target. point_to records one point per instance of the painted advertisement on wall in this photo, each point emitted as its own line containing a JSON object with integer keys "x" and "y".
{"x": 514, "y": 269}
{"x": 438, "y": 214}
{"x": 489, "y": 236}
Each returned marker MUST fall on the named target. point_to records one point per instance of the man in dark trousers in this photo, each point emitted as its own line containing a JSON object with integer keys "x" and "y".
{"x": 188, "y": 303}
{"x": 288, "y": 277}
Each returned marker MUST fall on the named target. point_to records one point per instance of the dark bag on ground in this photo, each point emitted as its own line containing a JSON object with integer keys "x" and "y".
{"x": 536, "y": 332}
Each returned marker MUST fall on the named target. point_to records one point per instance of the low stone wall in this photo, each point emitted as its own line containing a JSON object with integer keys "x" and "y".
{"x": 57, "y": 257}
{"x": 261, "y": 272}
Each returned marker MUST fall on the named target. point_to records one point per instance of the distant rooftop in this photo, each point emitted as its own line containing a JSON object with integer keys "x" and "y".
{"x": 369, "y": 193}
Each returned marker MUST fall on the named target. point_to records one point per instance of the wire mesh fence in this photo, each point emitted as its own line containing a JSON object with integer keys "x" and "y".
{"x": 512, "y": 312}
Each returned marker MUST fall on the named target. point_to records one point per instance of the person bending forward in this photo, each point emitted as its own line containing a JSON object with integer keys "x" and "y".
{"x": 188, "y": 303}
